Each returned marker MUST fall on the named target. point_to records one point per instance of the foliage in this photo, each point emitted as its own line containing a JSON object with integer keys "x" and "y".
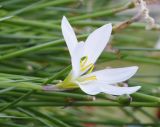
{"x": 33, "y": 54}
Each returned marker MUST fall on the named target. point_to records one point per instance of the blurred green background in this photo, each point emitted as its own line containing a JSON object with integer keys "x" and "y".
{"x": 32, "y": 50}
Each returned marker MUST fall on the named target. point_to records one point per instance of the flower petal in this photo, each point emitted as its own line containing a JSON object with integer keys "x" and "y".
{"x": 95, "y": 87}
{"x": 96, "y": 42}
{"x": 91, "y": 88}
{"x": 76, "y": 57}
{"x": 113, "y": 76}
{"x": 115, "y": 90}
{"x": 69, "y": 35}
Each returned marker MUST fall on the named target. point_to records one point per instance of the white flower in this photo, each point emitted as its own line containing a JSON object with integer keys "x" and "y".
{"x": 84, "y": 55}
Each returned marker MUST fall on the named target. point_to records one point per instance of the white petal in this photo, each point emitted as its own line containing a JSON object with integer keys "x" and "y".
{"x": 69, "y": 35}
{"x": 96, "y": 42}
{"x": 116, "y": 75}
{"x": 76, "y": 57}
{"x": 115, "y": 90}
{"x": 91, "y": 88}
{"x": 95, "y": 87}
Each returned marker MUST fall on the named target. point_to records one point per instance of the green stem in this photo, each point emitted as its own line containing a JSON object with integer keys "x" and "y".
{"x": 42, "y": 95}
{"x": 16, "y": 101}
{"x": 20, "y": 85}
{"x": 137, "y": 49}
{"x": 108, "y": 122}
{"x": 26, "y": 85}
{"x": 57, "y": 75}
{"x": 66, "y": 94}
{"x": 31, "y": 49}
{"x": 84, "y": 103}
{"x": 124, "y": 56}
{"x": 101, "y": 13}
{"x": 148, "y": 115}
{"x": 144, "y": 97}
{"x": 130, "y": 114}
{"x": 52, "y": 119}
{"x": 35, "y": 48}
{"x": 32, "y": 23}
{"x": 95, "y": 23}
{"x": 39, "y": 5}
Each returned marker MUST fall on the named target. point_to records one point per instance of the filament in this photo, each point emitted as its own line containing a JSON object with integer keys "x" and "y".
{"x": 84, "y": 67}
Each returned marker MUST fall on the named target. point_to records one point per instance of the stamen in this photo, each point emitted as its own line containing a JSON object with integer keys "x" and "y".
{"x": 83, "y": 65}
{"x": 91, "y": 69}
{"x": 86, "y": 79}
{"x": 86, "y": 67}
{"x": 83, "y": 61}
{"x": 90, "y": 78}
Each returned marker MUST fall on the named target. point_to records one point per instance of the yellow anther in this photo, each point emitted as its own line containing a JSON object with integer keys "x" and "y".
{"x": 91, "y": 69}
{"x": 86, "y": 67}
{"x": 90, "y": 78}
{"x": 83, "y": 61}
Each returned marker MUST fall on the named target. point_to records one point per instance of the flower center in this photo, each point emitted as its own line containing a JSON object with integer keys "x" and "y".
{"x": 90, "y": 78}
{"x": 86, "y": 67}
{"x": 86, "y": 79}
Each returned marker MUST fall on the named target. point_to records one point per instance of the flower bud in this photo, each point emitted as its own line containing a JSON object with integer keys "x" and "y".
{"x": 124, "y": 99}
